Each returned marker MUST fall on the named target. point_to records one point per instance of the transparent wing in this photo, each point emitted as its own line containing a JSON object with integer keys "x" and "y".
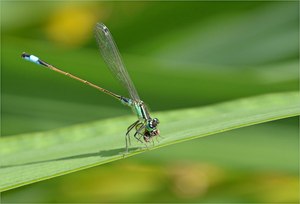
{"x": 112, "y": 58}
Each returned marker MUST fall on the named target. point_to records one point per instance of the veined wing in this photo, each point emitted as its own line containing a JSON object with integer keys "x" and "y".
{"x": 112, "y": 58}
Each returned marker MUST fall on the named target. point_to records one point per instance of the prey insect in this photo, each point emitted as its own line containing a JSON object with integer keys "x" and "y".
{"x": 145, "y": 127}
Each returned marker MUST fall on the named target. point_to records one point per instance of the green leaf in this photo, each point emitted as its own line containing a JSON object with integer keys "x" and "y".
{"x": 29, "y": 158}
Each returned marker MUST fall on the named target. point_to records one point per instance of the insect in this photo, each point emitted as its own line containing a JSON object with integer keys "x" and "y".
{"x": 145, "y": 127}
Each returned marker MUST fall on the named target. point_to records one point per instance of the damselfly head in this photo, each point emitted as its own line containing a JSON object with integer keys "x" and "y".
{"x": 152, "y": 130}
{"x": 155, "y": 122}
{"x": 152, "y": 123}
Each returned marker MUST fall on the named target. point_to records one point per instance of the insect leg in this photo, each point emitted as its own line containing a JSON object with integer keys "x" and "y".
{"x": 138, "y": 132}
{"x": 127, "y": 136}
{"x": 138, "y": 129}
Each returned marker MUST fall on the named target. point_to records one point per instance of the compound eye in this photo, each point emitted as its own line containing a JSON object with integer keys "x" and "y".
{"x": 155, "y": 121}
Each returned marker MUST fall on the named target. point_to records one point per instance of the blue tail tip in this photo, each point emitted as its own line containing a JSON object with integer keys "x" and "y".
{"x": 24, "y": 55}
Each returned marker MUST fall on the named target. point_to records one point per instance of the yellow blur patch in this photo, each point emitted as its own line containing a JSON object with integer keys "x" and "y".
{"x": 72, "y": 26}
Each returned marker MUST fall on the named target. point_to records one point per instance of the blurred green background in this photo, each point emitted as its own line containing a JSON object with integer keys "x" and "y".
{"x": 179, "y": 55}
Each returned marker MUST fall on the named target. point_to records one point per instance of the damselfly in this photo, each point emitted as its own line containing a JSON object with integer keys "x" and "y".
{"x": 145, "y": 127}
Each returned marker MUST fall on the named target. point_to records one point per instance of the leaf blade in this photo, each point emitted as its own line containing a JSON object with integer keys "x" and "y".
{"x": 34, "y": 157}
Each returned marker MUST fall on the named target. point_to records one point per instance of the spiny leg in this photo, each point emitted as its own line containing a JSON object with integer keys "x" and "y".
{"x": 126, "y": 143}
{"x": 132, "y": 126}
{"x": 127, "y": 136}
{"x": 141, "y": 136}
{"x": 138, "y": 138}
{"x": 138, "y": 132}
{"x": 137, "y": 128}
